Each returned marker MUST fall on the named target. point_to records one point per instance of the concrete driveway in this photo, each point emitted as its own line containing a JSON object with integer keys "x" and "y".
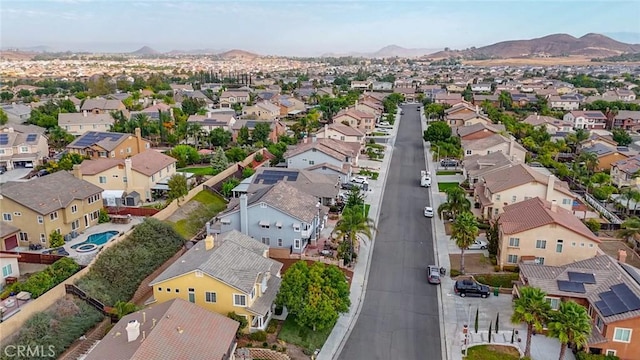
{"x": 14, "y": 175}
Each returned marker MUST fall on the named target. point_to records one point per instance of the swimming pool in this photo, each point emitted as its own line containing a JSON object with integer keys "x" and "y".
{"x": 94, "y": 240}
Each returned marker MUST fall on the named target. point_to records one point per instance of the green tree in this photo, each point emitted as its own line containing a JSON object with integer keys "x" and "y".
{"x": 228, "y": 186}
{"x": 243, "y": 136}
{"x": 593, "y": 225}
{"x": 630, "y": 229}
{"x": 191, "y": 106}
{"x": 123, "y": 308}
{"x": 532, "y": 309}
{"x": 178, "y": 187}
{"x": 261, "y": 132}
{"x": 3, "y": 117}
{"x": 575, "y": 138}
{"x": 185, "y": 155}
{"x": 219, "y": 161}
{"x": 55, "y": 239}
{"x": 247, "y": 172}
{"x": 589, "y": 160}
{"x": 505, "y": 100}
{"x": 571, "y": 324}
{"x": 464, "y": 232}
{"x": 293, "y": 287}
{"x": 622, "y": 137}
{"x": 456, "y": 203}
{"x": 241, "y": 319}
{"x": 6, "y": 96}
{"x": 630, "y": 194}
{"x": 352, "y": 223}
{"x": 220, "y": 137}
{"x": 493, "y": 238}
{"x": 236, "y": 154}
{"x": 59, "y": 138}
{"x": 437, "y": 131}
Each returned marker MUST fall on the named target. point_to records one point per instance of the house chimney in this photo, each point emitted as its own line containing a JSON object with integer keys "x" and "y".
{"x": 326, "y": 131}
{"x": 77, "y": 171}
{"x": 133, "y": 330}
{"x": 208, "y": 114}
{"x": 139, "y": 142}
{"x": 477, "y": 110}
{"x": 554, "y": 206}
{"x": 550, "y": 186}
{"x": 622, "y": 256}
{"x": 84, "y": 113}
{"x": 512, "y": 145}
{"x": 128, "y": 172}
{"x": 154, "y": 102}
{"x": 305, "y": 139}
{"x": 244, "y": 214}
{"x": 10, "y": 130}
{"x": 209, "y": 242}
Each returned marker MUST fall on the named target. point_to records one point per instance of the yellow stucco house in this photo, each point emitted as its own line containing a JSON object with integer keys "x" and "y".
{"x": 229, "y": 273}
{"x": 100, "y": 144}
{"x": 57, "y": 202}
{"x": 542, "y": 232}
{"x": 140, "y": 173}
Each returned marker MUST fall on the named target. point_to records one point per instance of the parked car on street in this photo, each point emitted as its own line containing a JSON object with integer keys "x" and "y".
{"x": 478, "y": 245}
{"x": 359, "y": 179}
{"x": 449, "y": 162}
{"x": 471, "y": 288}
{"x": 428, "y": 212}
{"x": 433, "y": 274}
{"x": 348, "y": 186}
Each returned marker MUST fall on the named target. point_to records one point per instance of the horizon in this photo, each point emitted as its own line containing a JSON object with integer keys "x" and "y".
{"x": 300, "y": 28}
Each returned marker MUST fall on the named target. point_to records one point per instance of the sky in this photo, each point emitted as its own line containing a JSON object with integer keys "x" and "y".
{"x": 302, "y": 28}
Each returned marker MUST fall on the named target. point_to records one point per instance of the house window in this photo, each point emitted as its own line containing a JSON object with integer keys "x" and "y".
{"x": 124, "y": 179}
{"x": 159, "y": 289}
{"x": 611, "y": 352}
{"x": 75, "y": 224}
{"x": 266, "y": 241}
{"x": 113, "y": 154}
{"x": 198, "y": 273}
{"x": 264, "y": 225}
{"x": 129, "y": 150}
{"x": 191, "y": 295}
{"x": 74, "y": 209}
{"x": 553, "y": 302}
{"x": 210, "y": 296}
{"x": 253, "y": 293}
{"x": 559, "y": 246}
{"x": 468, "y": 152}
{"x": 24, "y": 236}
{"x": 40, "y": 220}
{"x": 514, "y": 199}
{"x": 539, "y": 260}
{"x": 43, "y": 238}
{"x": 7, "y": 270}
{"x": 296, "y": 227}
{"x": 263, "y": 205}
{"x": 102, "y": 154}
{"x": 566, "y": 201}
{"x": 17, "y": 213}
{"x": 497, "y": 197}
{"x": 622, "y": 335}
{"x": 24, "y": 149}
{"x": 6, "y": 216}
{"x": 514, "y": 242}
{"x": 311, "y": 162}
{"x": 541, "y": 244}
{"x": 239, "y": 300}
{"x": 573, "y": 244}
{"x": 512, "y": 259}
{"x": 103, "y": 179}
{"x": 177, "y": 291}
{"x": 53, "y": 216}
{"x": 279, "y": 242}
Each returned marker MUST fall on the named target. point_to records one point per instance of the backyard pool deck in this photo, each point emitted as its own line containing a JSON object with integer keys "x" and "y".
{"x": 84, "y": 258}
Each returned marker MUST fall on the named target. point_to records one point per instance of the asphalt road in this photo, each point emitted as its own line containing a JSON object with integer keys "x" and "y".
{"x": 399, "y": 317}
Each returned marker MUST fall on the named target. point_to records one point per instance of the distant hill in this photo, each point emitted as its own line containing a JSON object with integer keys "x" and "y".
{"x": 195, "y": 52}
{"x": 389, "y": 51}
{"x": 145, "y": 50}
{"x": 589, "y": 45}
{"x": 238, "y": 54}
{"x": 15, "y": 55}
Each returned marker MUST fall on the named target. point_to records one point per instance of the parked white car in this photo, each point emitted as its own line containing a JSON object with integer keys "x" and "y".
{"x": 428, "y": 212}
{"x": 359, "y": 179}
{"x": 478, "y": 245}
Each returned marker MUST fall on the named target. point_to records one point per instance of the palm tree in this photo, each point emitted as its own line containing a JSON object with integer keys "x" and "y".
{"x": 352, "y": 223}
{"x": 575, "y": 138}
{"x": 629, "y": 194}
{"x": 590, "y": 160}
{"x": 464, "y": 232}
{"x": 456, "y": 203}
{"x": 571, "y": 324}
{"x": 122, "y": 308}
{"x": 630, "y": 228}
{"x": 530, "y": 308}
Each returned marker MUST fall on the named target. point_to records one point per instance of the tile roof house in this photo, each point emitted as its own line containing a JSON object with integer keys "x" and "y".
{"x": 289, "y": 105}
{"x": 212, "y": 120}
{"x": 280, "y": 216}
{"x": 140, "y": 173}
{"x": 608, "y": 288}
{"x": 40, "y": 206}
{"x": 362, "y": 85}
{"x": 17, "y": 113}
{"x": 332, "y": 151}
{"x": 374, "y": 108}
{"x": 360, "y": 120}
{"x": 277, "y": 128}
{"x": 624, "y": 119}
{"x": 479, "y": 130}
{"x": 262, "y": 110}
{"x": 623, "y": 172}
{"x": 340, "y": 132}
{"x": 541, "y": 231}
{"x": 590, "y": 119}
{"x": 551, "y": 124}
{"x": 607, "y": 155}
{"x": 231, "y": 97}
{"x": 153, "y": 111}
{"x": 100, "y": 144}
{"x": 20, "y": 149}
{"x": 103, "y": 106}
{"x": 173, "y": 330}
{"x": 519, "y": 182}
{"x": 79, "y": 123}
{"x": 225, "y": 272}
{"x": 447, "y": 98}
{"x": 493, "y": 143}
{"x": 477, "y": 166}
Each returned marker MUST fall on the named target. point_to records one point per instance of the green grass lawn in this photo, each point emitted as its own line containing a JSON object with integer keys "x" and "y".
{"x": 210, "y": 205}
{"x": 443, "y": 187}
{"x": 199, "y": 170}
{"x": 370, "y": 174}
{"x": 492, "y": 352}
{"x": 366, "y": 210}
{"x": 499, "y": 280}
{"x": 448, "y": 172}
{"x": 292, "y": 333}
{"x": 375, "y": 133}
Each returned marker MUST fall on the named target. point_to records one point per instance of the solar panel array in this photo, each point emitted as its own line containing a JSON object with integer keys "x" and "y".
{"x": 571, "y": 286}
{"x": 581, "y": 277}
{"x": 270, "y": 177}
{"x": 93, "y": 137}
{"x": 620, "y": 299}
{"x": 4, "y": 139}
{"x": 32, "y": 137}
{"x": 594, "y": 114}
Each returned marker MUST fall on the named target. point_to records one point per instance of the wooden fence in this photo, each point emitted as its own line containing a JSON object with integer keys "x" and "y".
{"x": 71, "y": 289}
{"x": 33, "y": 258}
{"x": 133, "y": 211}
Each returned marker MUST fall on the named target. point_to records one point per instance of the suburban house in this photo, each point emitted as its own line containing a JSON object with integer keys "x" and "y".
{"x": 551, "y": 124}
{"x": 22, "y": 149}
{"x": 153, "y": 111}
{"x": 330, "y": 151}
{"x": 17, "y": 113}
{"x": 522, "y": 100}
{"x": 262, "y": 110}
{"x": 594, "y": 138}
{"x": 456, "y": 87}
{"x": 41, "y": 206}
{"x": 377, "y": 97}
{"x": 623, "y": 172}
{"x": 477, "y": 166}
{"x": 494, "y": 143}
{"x": 362, "y": 85}
{"x": 479, "y": 130}
{"x": 624, "y": 119}
{"x": 289, "y": 105}
{"x": 382, "y": 86}
{"x": 360, "y": 120}
{"x": 567, "y": 102}
{"x": 232, "y": 97}
{"x": 541, "y": 231}
{"x": 624, "y": 95}
{"x": 481, "y": 88}
{"x": 277, "y": 128}
{"x": 140, "y": 173}
{"x": 173, "y": 330}
{"x": 8, "y": 236}
{"x": 340, "y": 132}
{"x": 80, "y": 123}
{"x": 103, "y": 106}
{"x": 607, "y": 155}
{"x": 212, "y": 120}
{"x": 98, "y": 144}
{"x": 374, "y": 108}
{"x": 226, "y": 272}
{"x": 448, "y": 98}
{"x": 608, "y": 288}
{"x": 591, "y": 119}
{"x": 463, "y": 114}
{"x": 409, "y": 93}
{"x": 519, "y": 182}
{"x": 10, "y": 268}
{"x": 280, "y": 216}
{"x": 478, "y": 99}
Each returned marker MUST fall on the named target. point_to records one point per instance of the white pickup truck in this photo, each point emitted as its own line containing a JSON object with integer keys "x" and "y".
{"x": 425, "y": 178}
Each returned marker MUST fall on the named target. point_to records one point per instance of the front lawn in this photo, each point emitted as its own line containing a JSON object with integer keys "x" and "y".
{"x": 294, "y": 334}
{"x": 492, "y": 352}
{"x": 448, "y": 172}
{"x": 443, "y": 187}
{"x": 208, "y": 170}
{"x": 375, "y": 133}
{"x": 370, "y": 174}
{"x": 208, "y": 198}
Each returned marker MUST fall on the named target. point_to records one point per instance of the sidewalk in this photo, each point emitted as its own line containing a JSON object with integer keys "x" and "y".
{"x": 340, "y": 333}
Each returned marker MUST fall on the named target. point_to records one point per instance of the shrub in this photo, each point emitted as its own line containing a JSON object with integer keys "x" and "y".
{"x": 497, "y": 280}
{"x": 119, "y": 270}
{"x": 274, "y": 347}
{"x": 265, "y": 344}
{"x": 258, "y": 336}
{"x": 103, "y": 217}
{"x": 593, "y": 225}
{"x": 586, "y": 356}
{"x": 241, "y": 319}
{"x": 246, "y": 172}
{"x": 40, "y": 283}
{"x": 272, "y": 327}
{"x": 454, "y": 273}
{"x": 56, "y": 239}
{"x": 258, "y": 157}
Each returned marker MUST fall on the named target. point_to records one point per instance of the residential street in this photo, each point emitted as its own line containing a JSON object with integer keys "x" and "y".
{"x": 399, "y": 317}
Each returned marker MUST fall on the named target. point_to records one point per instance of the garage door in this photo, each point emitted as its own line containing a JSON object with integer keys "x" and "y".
{"x": 11, "y": 242}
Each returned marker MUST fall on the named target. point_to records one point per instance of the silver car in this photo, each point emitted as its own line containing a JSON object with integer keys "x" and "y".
{"x": 478, "y": 245}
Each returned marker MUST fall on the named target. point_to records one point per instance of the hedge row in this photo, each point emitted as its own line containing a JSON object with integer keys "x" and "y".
{"x": 41, "y": 282}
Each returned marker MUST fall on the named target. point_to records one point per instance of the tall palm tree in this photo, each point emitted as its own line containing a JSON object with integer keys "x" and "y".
{"x": 571, "y": 324}
{"x": 352, "y": 223}
{"x": 532, "y": 309}
{"x": 456, "y": 203}
{"x": 575, "y": 138}
{"x": 630, "y": 228}
{"x": 464, "y": 232}
{"x": 590, "y": 160}
{"x": 628, "y": 194}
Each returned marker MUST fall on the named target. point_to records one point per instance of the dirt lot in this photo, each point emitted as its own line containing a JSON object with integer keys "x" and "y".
{"x": 611, "y": 247}
{"x": 473, "y": 263}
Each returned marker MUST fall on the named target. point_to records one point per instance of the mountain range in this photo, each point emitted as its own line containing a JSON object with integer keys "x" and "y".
{"x": 389, "y": 51}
